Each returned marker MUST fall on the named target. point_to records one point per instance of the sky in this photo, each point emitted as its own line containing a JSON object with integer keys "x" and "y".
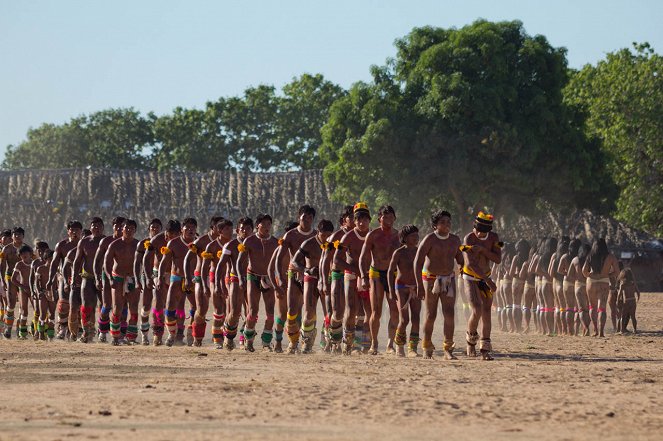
{"x": 61, "y": 59}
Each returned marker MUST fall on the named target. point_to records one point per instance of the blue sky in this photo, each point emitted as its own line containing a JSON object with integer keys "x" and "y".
{"x": 60, "y": 59}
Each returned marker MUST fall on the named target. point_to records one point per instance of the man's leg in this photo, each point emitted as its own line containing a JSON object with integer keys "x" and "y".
{"x": 309, "y": 330}
{"x": 294, "y": 307}
{"x": 377, "y": 299}
{"x": 485, "y": 345}
{"x": 172, "y": 318}
{"x": 132, "y": 302}
{"x": 199, "y": 323}
{"x": 431, "y": 301}
{"x": 9, "y": 312}
{"x": 448, "y": 300}
{"x": 253, "y": 294}
{"x": 104, "y": 312}
{"x": 158, "y": 315}
{"x": 337, "y": 311}
{"x": 351, "y": 307}
{"x": 23, "y": 322}
{"x": 415, "y": 314}
{"x": 472, "y": 336}
{"x": 118, "y": 304}
{"x": 404, "y": 298}
{"x": 75, "y": 303}
{"x": 269, "y": 300}
{"x": 63, "y": 311}
{"x": 147, "y": 295}
{"x": 89, "y": 303}
{"x": 235, "y": 301}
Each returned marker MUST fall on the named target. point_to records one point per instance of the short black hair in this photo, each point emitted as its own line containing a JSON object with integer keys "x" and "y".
{"x": 48, "y": 254}
{"x": 173, "y": 226}
{"x": 6, "y": 233}
{"x": 262, "y": 217}
{"x": 74, "y": 224}
{"x": 347, "y": 212}
{"x": 245, "y": 221}
{"x": 130, "y": 222}
{"x": 96, "y": 220}
{"x": 386, "y": 209}
{"x": 25, "y": 249}
{"x": 117, "y": 220}
{"x": 225, "y": 223}
{"x": 41, "y": 245}
{"x": 438, "y": 215}
{"x": 156, "y": 221}
{"x": 190, "y": 221}
{"x": 306, "y": 209}
{"x": 215, "y": 220}
{"x": 18, "y": 230}
{"x": 406, "y": 230}
{"x": 291, "y": 225}
{"x": 325, "y": 225}
{"x": 86, "y": 232}
{"x": 362, "y": 213}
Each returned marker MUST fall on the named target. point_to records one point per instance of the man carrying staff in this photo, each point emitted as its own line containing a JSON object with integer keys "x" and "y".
{"x": 480, "y": 248}
{"x": 74, "y": 230}
{"x": 84, "y": 276}
{"x": 435, "y": 263}
{"x": 103, "y": 281}
{"x": 142, "y": 277}
{"x": 346, "y": 258}
{"x": 118, "y": 262}
{"x": 173, "y": 263}
{"x": 254, "y": 257}
{"x": 375, "y": 257}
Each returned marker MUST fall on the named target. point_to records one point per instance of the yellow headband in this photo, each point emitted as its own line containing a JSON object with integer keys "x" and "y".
{"x": 360, "y": 206}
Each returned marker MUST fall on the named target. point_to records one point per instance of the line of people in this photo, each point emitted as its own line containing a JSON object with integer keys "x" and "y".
{"x": 119, "y": 288}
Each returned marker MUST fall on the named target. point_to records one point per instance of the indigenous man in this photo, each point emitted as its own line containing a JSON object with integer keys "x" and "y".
{"x": 84, "y": 276}
{"x": 46, "y": 327}
{"x": 9, "y": 258}
{"x": 402, "y": 286}
{"x": 375, "y": 256}
{"x": 173, "y": 263}
{"x": 41, "y": 247}
{"x": 437, "y": 285}
{"x": 141, "y": 275}
{"x": 291, "y": 242}
{"x": 254, "y": 256}
{"x": 332, "y": 282}
{"x": 118, "y": 262}
{"x": 306, "y": 261}
{"x": 480, "y": 247}
{"x": 151, "y": 261}
{"x": 20, "y": 279}
{"x": 5, "y": 240}
{"x": 228, "y": 286}
{"x": 74, "y": 230}
{"x": 103, "y": 281}
{"x": 74, "y": 290}
{"x": 275, "y": 275}
{"x": 192, "y": 266}
{"x": 346, "y": 258}
{"x": 207, "y": 262}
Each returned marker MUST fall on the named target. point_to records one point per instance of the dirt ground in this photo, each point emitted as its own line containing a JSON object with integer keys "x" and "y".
{"x": 537, "y": 387}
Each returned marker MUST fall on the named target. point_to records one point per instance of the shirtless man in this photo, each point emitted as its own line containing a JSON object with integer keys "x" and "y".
{"x": 332, "y": 282}
{"x": 374, "y": 261}
{"x": 192, "y": 271}
{"x": 74, "y": 231}
{"x": 207, "y": 262}
{"x": 118, "y": 262}
{"x": 306, "y": 261}
{"x": 437, "y": 285}
{"x": 145, "y": 289}
{"x": 5, "y": 239}
{"x": 40, "y": 247}
{"x": 402, "y": 286}
{"x": 46, "y": 327}
{"x": 228, "y": 286}
{"x": 74, "y": 290}
{"x": 84, "y": 276}
{"x": 254, "y": 257}
{"x": 8, "y": 260}
{"x": 20, "y": 279}
{"x": 103, "y": 282}
{"x": 346, "y": 258}
{"x": 563, "y": 267}
{"x": 480, "y": 247}
{"x": 599, "y": 266}
{"x": 290, "y": 243}
{"x": 151, "y": 261}
{"x": 173, "y": 263}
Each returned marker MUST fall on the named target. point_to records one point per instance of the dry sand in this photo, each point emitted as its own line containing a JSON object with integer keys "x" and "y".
{"x": 536, "y": 388}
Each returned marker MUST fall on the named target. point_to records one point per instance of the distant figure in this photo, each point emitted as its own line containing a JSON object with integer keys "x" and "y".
{"x": 598, "y": 267}
{"x": 626, "y": 300}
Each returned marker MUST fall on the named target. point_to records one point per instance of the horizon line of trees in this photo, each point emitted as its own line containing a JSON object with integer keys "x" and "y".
{"x": 484, "y": 116}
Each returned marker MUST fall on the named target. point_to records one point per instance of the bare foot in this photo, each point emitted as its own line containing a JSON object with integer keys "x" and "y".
{"x": 485, "y": 355}
{"x": 400, "y": 351}
{"x": 390, "y": 350}
{"x": 373, "y": 350}
{"x": 278, "y": 348}
{"x": 249, "y": 346}
{"x": 448, "y": 355}
{"x": 471, "y": 351}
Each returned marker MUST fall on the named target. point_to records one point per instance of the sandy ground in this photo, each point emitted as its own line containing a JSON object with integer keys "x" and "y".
{"x": 537, "y": 387}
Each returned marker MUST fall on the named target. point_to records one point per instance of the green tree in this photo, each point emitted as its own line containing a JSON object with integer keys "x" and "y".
{"x": 470, "y": 118}
{"x": 115, "y": 138}
{"x": 623, "y": 99}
